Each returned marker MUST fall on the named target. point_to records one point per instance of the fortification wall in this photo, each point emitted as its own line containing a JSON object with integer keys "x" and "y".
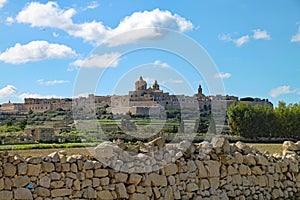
{"x": 215, "y": 170}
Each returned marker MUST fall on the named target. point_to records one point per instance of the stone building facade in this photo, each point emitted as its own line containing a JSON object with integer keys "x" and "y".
{"x": 140, "y": 101}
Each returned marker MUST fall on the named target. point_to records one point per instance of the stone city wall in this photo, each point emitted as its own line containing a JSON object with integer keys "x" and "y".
{"x": 209, "y": 170}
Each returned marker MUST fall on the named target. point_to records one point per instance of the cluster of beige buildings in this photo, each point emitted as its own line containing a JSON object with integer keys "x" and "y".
{"x": 143, "y": 100}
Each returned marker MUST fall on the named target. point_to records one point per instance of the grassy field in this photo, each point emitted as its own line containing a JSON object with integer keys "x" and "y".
{"x": 272, "y": 148}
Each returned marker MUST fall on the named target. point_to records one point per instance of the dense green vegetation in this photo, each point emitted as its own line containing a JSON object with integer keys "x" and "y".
{"x": 262, "y": 121}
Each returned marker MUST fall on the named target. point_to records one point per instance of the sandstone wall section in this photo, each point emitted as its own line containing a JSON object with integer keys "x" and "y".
{"x": 209, "y": 170}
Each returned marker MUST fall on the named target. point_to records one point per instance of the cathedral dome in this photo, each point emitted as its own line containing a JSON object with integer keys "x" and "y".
{"x": 140, "y": 84}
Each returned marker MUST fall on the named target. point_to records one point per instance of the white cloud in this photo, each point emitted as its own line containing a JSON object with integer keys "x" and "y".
{"x": 50, "y": 15}
{"x": 242, "y": 40}
{"x": 158, "y": 63}
{"x": 286, "y": 89}
{"x": 38, "y": 96}
{"x": 101, "y": 61}
{"x": 259, "y": 34}
{"x": 93, "y": 5}
{"x": 222, "y": 75}
{"x": 7, "y": 91}
{"x": 225, "y": 37}
{"x": 9, "y": 20}
{"x": 55, "y": 34}
{"x": 35, "y": 51}
{"x": 2, "y": 2}
{"x": 296, "y": 38}
{"x": 51, "y": 83}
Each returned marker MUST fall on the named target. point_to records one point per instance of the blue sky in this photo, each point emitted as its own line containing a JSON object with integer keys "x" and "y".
{"x": 45, "y": 47}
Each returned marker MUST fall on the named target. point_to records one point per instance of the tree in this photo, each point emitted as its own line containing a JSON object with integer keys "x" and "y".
{"x": 22, "y": 124}
{"x": 8, "y": 122}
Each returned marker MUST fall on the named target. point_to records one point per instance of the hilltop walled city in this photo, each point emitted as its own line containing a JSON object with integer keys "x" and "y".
{"x": 140, "y": 101}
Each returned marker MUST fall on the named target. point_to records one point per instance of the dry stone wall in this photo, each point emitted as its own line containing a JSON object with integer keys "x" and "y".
{"x": 209, "y": 170}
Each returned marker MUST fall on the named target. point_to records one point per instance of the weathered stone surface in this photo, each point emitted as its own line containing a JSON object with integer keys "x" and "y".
{"x": 214, "y": 183}
{"x": 48, "y": 167}
{"x": 138, "y": 196}
{"x": 61, "y": 192}
{"x": 20, "y": 181}
{"x": 33, "y": 170}
{"x": 101, "y": 172}
{"x": 22, "y": 168}
{"x": 202, "y": 172}
{"x": 249, "y": 160}
{"x": 104, "y": 195}
{"x": 231, "y": 170}
{"x": 6, "y": 195}
{"x": 45, "y": 181}
{"x": 190, "y": 187}
{"x": 121, "y": 177}
{"x": 9, "y": 169}
{"x": 213, "y": 168}
{"x": 290, "y": 146}
{"x": 22, "y": 193}
{"x": 261, "y": 160}
{"x": 106, "y": 150}
{"x": 88, "y": 165}
{"x": 55, "y": 176}
{"x": 134, "y": 179}
{"x": 204, "y": 184}
{"x": 221, "y": 145}
{"x": 158, "y": 180}
{"x": 170, "y": 169}
{"x": 34, "y": 160}
{"x": 121, "y": 191}
{"x": 159, "y": 142}
{"x": 42, "y": 192}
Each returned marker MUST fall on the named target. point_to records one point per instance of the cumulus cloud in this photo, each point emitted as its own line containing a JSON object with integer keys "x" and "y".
{"x": 242, "y": 40}
{"x": 2, "y": 2}
{"x": 222, "y": 75}
{"x": 100, "y": 61}
{"x": 285, "y": 89}
{"x": 7, "y": 91}
{"x": 35, "y": 51}
{"x": 158, "y": 63}
{"x": 51, "y": 15}
{"x": 51, "y": 83}
{"x": 259, "y": 34}
{"x": 9, "y": 20}
{"x": 296, "y": 37}
{"x": 38, "y": 96}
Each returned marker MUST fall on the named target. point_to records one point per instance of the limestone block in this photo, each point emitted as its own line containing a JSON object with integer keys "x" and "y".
{"x": 105, "y": 195}
{"x": 48, "y": 167}
{"x": 9, "y": 169}
{"x": 42, "y": 192}
{"x": 120, "y": 177}
{"x": 100, "y": 173}
{"x": 138, "y": 196}
{"x": 45, "y": 182}
{"x": 158, "y": 180}
{"x": 261, "y": 160}
{"x": 170, "y": 169}
{"x": 221, "y": 145}
{"x": 6, "y": 195}
{"x": 34, "y": 160}
{"x": 204, "y": 184}
{"x": 33, "y": 170}
{"x": 22, "y": 193}
{"x": 190, "y": 187}
{"x": 290, "y": 146}
{"x": 231, "y": 170}
{"x": 213, "y": 168}
{"x": 202, "y": 172}
{"x": 134, "y": 179}
{"x": 20, "y": 181}
{"x": 22, "y": 168}
{"x": 244, "y": 170}
{"x": 214, "y": 183}
{"x": 121, "y": 191}
{"x": 61, "y": 192}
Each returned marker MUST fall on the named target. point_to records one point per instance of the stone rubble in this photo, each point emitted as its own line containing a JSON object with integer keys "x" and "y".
{"x": 155, "y": 170}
